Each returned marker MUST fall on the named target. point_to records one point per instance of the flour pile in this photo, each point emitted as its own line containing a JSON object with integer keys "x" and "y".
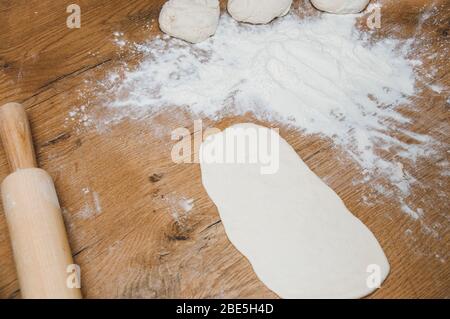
{"x": 317, "y": 74}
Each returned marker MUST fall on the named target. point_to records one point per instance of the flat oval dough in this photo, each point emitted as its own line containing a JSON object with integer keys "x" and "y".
{"x": 296, "y": 232}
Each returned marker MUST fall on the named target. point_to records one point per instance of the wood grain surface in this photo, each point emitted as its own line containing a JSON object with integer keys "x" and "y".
{"x": 117, "y": 185}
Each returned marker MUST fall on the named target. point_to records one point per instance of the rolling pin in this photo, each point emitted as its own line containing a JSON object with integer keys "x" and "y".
{"x": 41, "y": 250}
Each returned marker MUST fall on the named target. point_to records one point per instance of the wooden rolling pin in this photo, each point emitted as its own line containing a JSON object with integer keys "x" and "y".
{"x": 41, "y": 250}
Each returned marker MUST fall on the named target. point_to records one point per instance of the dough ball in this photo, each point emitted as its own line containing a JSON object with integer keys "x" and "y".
{"x": 190, "y": 20}
{"x": 258, "y": 11}
{"x": 341, "y": 6}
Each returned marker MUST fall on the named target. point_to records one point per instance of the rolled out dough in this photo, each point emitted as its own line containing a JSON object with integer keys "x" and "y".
{"x": 296, "y": 232}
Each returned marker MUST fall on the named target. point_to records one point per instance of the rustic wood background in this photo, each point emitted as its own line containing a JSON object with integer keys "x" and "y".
{"x": 117, "y": 186}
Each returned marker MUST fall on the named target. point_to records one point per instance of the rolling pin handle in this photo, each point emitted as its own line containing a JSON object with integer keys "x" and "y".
{"x": 35, "y": 222}
{"x": 16, "y": 137}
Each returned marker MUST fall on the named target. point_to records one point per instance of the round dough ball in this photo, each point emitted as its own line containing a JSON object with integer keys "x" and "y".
{"x": 341, "y": 6}
{"x": 258, "y": 11}
{"x": 190, "y": 20}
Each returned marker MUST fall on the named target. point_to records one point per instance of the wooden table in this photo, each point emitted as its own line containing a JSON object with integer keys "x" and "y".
{"x": 118, "y": 186}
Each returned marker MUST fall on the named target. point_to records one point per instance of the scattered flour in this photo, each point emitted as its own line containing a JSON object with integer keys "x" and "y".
{"x": 187, "y": 204}
{"x": 92, "y": 205}
{"x": 179, "y": 207}
{"x": 319, "y": 75}
{"x": 86, "y": 212}
{"x": 414, "y": 214}
{"x": 118, "y": 39}
{"x": 97, "y": 203}
{"x": 436, "y": 88}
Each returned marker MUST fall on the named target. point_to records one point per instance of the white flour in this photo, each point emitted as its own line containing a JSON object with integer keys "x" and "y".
{"x": 315, "y": 74}
{"x": 320, "y": 75}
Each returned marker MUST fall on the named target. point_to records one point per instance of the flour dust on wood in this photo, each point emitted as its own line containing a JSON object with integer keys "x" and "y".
{"x": 320, "y": 75}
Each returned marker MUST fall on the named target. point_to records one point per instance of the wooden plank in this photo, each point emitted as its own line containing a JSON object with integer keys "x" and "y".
{"x": 121, "y": 222}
